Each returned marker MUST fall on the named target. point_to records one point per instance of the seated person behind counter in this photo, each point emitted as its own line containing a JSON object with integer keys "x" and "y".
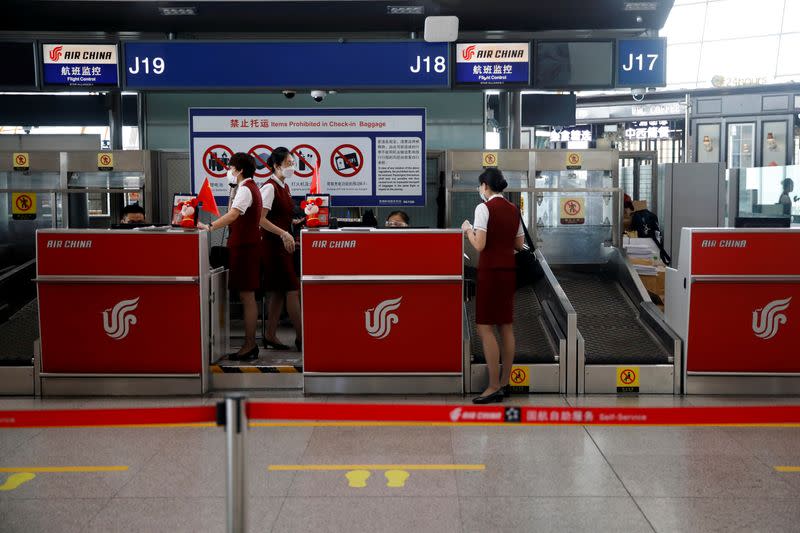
{"x": 398, "y": 219}
{"x": 132, "y": 214}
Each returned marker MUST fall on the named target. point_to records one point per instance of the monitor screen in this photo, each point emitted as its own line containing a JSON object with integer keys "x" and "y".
{"x": 574, "y": 64}
{"x": 763, "y": 222}
{"x": 19, "y": 65}
{"x": 548, "y": 110}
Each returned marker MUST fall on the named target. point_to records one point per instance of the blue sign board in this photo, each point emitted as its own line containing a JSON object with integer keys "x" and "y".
{"x": 641, "y": 63}
{"x": 365, "y": 157}
{"x": 288, "y": 65}
{"x": 79, "y": 65}
{"x": 492, "y": 63}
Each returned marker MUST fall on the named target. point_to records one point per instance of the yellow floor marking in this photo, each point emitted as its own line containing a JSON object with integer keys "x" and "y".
{"x": 56, "y": 469}
{"x": 328, "y": 468}
{"x": 396, "y": 478}
{"x": 787, "y": 468}
{"x": 357, "y": 479}
{"x": 15, "y": 480}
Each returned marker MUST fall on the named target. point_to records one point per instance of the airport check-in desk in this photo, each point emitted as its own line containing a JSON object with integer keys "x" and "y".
{"x": 127, "y": 312}
{"x": 733, "y": 299}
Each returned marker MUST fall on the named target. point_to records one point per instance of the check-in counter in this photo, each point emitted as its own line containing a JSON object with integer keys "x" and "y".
{"x": 382, "y": 311}
{"x": 127, "y": 312}
{"x": 735, "y": 301}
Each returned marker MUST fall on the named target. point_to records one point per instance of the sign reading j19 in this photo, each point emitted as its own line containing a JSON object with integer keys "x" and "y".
{"x": 304, "y": 65}
{"x": 641, "y": 62}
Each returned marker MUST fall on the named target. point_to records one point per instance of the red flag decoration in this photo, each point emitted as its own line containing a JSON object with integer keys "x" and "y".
{"x": 207, "y": 197}
{"x": 315, "y": 188}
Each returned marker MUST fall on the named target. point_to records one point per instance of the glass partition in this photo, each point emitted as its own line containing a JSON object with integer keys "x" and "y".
{"x": 770, "y": 191}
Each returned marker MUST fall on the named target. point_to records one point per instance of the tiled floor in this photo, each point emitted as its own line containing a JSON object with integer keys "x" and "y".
{"x": 602, "y": 479}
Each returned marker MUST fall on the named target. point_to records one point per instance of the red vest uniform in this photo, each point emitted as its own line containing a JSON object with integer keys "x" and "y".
{"x": 244, "y": 259}
{"x": 279, "y": 271}
{"x": 497, "y": 275}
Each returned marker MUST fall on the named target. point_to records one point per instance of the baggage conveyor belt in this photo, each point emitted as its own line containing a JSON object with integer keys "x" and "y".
{"x": 533, "y": 343}
{"x": 608, "y": 321}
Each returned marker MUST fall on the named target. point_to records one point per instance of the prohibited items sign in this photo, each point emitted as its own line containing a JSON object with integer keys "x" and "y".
{"x": 216, "y": 160}
{"x": 347, "y": 160}
{"x": 261, "y": 153}
{"x": 628, "y": 379}
{"x": 306, "y": 159}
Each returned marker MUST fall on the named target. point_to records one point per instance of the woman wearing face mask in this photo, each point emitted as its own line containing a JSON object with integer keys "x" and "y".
{"x": 497, "y": 233}
{"x": 280, "y": 278}
{"x": 243, "y": 217}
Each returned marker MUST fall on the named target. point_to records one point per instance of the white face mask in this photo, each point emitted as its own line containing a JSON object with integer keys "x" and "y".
{"x": 232, "y": 179}
{"x": 483, "y": 197}
{"x": 288, "y": 172}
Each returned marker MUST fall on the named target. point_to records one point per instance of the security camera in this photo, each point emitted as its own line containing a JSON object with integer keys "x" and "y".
{"x": 27, "y": 129}
{"x": 289, "y": 94}
{"x": 638, "y": 93}
{"x": 318, "y": 96}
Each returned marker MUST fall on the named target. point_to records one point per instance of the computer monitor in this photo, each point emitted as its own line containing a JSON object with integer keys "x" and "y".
{"x": 763, "y": 222}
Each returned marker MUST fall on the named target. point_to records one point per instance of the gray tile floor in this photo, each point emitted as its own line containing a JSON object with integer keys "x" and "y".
{"x": 601, "y": 479}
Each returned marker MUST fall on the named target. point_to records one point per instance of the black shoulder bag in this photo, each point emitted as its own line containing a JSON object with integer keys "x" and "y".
{"x": 219, "y": 256}
{"x": 526, "y": 260}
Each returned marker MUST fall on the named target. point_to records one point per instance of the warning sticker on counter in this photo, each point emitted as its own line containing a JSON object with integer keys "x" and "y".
{"x": 23, "y": 206}
{"x": 520, "y": 380}
{"x": 399, "y": 161}
{"x": 627, "y": 379}
{"x": 573, "y": 211}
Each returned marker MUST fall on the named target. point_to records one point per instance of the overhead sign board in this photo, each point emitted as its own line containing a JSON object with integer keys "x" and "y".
{"x": 19, "y": 65}
{"x": 301, "y": 65}
{"x": 492, "y": 63}
{"x": 366, "y": 157}
{"x": 641, "y": 62}
{"x": 79, "y": 65}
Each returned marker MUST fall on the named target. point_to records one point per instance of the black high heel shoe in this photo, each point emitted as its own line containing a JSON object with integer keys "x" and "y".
{"x": 506, "y": 391}
{"x": 269, "y": 345}
{"x": 246, "y": 356}
{"x": 495, "y": 397}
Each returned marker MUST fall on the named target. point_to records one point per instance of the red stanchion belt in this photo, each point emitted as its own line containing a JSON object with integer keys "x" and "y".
{"x": 768, "y": 415}
{"x": 107, "y": 417}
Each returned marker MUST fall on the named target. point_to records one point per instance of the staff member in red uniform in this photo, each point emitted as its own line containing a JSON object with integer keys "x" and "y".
{"x": 243, "y": 217}
{"x": 280, "y": 278}
{"x": 496, "y": 234}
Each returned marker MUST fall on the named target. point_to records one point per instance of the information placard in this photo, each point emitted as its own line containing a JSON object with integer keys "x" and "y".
{"x": 366, "y": 157}
{"x": 642, "y": 62}
{"x": 79, "y": 65}
{"x": 303, "y": 65}
{"x": 492, "y": 63}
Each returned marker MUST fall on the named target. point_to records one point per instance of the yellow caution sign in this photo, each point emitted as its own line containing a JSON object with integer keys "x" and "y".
{"x": 105, "y": 161}
{"x": 23, "y": 206}
{"x": 573, "y": 211}
{"x": 520, "y": 380}
{"x": 490, "y": 159}
{"x": 574, "y": 160}
{"x": 627, "y": 379}
{"x": 21, "y": 161}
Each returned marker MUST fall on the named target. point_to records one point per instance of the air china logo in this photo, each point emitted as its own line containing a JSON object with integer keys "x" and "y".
{"x": 468, "y": 52}
{"x": 117, "y": 322}
{"x": 766, "y": 321}
{"x": 379, "y": 319}
{"x": 55, "y": 53}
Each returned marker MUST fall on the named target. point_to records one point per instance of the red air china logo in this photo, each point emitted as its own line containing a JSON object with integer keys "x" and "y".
{"x": 56, "y": 53}
{"x": 768, "y": 319}
{"x": 468, "y": 52}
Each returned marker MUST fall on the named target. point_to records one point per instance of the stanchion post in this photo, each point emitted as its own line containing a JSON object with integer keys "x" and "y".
{"x": 231, "y": 414}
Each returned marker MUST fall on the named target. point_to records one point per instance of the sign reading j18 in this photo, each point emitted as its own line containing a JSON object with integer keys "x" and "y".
{"x": 641, "y": 62}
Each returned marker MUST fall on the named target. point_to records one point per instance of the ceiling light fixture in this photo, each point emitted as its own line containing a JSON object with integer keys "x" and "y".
{"x": 641, "y": 6}
{"x": 405, "y": 10}
{"x": 177, "y": 11}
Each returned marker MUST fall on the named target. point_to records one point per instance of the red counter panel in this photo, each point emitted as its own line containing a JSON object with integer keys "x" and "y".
{"x": 417, "y": 329}
{"x": 744, "y": 327}
{"x": 745, "y": 253}
{"x": 117, "y": 253}
{"x": 108, "y": 329}
{"x": 396, "y": 252}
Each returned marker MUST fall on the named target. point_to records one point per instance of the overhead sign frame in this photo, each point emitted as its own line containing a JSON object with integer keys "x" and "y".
{"x": 414, "y": 55}
{"x": 44, "y": 60}
{"x": 646, "y": 46}
{"x": 33, "y": 66}
{"x": 458, "y": 60}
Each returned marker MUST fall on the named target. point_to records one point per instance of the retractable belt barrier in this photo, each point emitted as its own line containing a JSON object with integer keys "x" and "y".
{"x": 234, "y": 412}
{"x": 411, "y": 414}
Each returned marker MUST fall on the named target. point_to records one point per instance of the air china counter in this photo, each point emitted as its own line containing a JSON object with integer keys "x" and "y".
{"x": 127, "y": 312}
{"x": 735, "y": 301}
{"x": 382, "y": 311}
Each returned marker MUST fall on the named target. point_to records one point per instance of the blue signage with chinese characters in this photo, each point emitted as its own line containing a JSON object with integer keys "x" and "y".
{"x": 492, "y": 63}
{"x": 641, "y": 62}
{"x": 79, "y": 65}
{"x": 291, "y": 65}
